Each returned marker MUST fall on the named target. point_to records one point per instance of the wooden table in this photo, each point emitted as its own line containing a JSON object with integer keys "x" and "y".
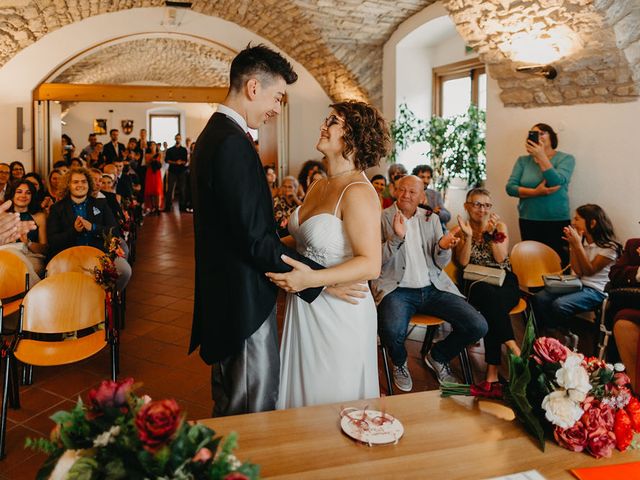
{"x": 445, "y": 438}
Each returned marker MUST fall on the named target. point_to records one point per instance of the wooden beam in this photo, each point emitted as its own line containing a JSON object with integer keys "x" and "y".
{"x": 127, "y": 93}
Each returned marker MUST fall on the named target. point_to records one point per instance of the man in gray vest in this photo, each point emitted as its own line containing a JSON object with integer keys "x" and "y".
{"x": 414, "y": 254}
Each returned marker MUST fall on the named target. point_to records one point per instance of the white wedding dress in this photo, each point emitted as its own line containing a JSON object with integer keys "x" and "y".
{"x": 329, "y": 347}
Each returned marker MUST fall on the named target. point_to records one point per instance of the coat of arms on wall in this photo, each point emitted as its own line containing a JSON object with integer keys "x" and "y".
{"x": 127, "y": 126}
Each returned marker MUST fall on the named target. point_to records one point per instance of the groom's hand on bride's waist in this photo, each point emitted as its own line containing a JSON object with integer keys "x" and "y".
{"x": 348, "y": 292}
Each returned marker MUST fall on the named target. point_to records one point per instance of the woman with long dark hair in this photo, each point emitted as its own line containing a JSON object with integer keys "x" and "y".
{"x": 305, "y": 177}
{"x": 24, "y": 200}
{"x": 593, "y": 249}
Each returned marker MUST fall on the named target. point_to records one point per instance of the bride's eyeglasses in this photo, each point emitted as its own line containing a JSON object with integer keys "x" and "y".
{"x": 332, "y": 120}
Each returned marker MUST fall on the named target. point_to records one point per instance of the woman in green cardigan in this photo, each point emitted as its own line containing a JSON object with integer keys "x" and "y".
{"x": 541, "y": 181}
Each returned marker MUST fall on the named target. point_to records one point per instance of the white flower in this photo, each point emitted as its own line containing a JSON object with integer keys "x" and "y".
{"x": 619, "y": 367}
{"x": 561, "y": 410}
{"x": 106, "y": 437}
{"x": 574, "y": 378}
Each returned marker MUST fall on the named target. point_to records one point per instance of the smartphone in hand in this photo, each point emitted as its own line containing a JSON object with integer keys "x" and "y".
{"x": 534, "y": 136}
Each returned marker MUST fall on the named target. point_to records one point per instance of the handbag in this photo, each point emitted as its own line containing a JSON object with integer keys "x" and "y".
{"x": 480, "y": 273}
{"x": 561, "y": 284}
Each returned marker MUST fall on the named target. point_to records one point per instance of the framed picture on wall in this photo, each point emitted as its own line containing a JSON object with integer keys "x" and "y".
{"x": 100, "y": 126}
{"x": 127, "y": 126}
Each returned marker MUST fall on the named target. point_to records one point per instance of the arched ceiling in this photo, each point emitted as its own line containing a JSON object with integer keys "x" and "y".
{"x": 339, "y": 42}
{"x": 157, "y": 61}
{"x": 595, "y": 44}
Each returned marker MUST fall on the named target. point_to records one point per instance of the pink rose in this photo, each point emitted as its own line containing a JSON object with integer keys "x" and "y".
{"x": 601, "y": 443}
{"x": 621, "y": 379}
{"x": 203, "y": 455}
{"x": 597, "y": 416}
{"x": 109, "y": 395}
{"x": 550, "y": 350}
{"x": 574, "y": 438}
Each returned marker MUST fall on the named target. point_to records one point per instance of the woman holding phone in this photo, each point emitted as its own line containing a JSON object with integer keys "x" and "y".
{"x": 541, "y": 181}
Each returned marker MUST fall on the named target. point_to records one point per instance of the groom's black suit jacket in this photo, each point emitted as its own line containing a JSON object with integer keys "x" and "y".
{"x": 235, "y": 241}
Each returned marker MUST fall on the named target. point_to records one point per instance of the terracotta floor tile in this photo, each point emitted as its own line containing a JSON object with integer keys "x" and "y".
{"x": 42, "y": 423}
{"x": 69, "y": 383}
{"x": 16, "y": 454}
{"x": 164, "y": 315}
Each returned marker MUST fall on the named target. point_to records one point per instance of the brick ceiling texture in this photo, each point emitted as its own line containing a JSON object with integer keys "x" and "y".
{"x": 340, "y": 43}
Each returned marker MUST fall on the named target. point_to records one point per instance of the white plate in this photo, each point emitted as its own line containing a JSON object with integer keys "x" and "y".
{"x": 371, "y": 426}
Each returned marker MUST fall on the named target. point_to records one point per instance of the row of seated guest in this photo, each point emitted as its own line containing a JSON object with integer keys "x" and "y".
{"x": 80, "y": 215}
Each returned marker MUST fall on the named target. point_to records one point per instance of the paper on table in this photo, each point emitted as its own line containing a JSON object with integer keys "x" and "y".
{"x": 528, "y": 475}
{"x": 622, "y": 471}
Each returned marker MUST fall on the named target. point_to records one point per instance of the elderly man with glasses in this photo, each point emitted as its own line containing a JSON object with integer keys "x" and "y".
{"x": 413, "y": 280}
{"x": 5, "y": 171}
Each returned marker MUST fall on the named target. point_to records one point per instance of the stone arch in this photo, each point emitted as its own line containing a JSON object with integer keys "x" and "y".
{"x": 339, "y": 43}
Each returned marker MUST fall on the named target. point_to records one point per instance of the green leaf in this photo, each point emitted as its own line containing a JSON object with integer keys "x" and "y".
{"x": 114, "y": 470}
{"x": 83, "y": 469}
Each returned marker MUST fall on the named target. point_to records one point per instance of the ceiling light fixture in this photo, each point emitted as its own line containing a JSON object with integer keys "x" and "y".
{"x": 547, "y": 71}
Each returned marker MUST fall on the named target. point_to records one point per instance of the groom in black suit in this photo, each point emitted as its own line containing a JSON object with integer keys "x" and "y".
{"x": 234, "y": 317}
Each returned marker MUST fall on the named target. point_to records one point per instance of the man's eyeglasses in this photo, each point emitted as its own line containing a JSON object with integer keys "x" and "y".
{"x": 479, "y": 205}
{"x": 332, "y": 120}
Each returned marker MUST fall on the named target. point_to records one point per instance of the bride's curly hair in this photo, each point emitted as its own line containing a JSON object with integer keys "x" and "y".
{"x": 366, "y": 133}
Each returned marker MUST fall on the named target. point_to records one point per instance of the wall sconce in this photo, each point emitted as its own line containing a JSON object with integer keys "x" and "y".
{"x": 546, "y": 71}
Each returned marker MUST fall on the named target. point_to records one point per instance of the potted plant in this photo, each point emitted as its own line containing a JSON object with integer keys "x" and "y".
{"x": 456, "y": 144}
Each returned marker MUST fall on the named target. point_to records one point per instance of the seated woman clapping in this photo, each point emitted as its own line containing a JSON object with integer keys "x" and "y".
{"x": 485, "y": 241}
{"x": 593, "y": 249}
{"x": 33, "y": 245}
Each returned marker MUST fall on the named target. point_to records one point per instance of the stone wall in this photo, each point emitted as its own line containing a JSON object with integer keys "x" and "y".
{"x": 340, "y": 41}
{"x": 597, "y": 42}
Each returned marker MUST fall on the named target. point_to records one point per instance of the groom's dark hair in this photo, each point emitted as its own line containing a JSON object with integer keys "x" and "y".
{"x": 259, "y": 61}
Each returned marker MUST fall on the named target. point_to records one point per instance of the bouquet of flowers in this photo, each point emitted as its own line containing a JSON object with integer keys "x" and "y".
{"x": 119, "y": 435}
{"x": 586, "y": 404}
{"x": 106, "y": 274}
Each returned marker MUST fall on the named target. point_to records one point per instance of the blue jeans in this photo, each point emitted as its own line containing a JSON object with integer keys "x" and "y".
{"x": 553, "y": 310}
{"x": 397, "y": 308}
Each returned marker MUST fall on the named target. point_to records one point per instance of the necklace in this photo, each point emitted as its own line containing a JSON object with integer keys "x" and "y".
{"x": 341, "y": 174}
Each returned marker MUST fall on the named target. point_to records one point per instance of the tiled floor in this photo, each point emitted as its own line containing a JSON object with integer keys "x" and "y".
{"x": 154, "y": 346}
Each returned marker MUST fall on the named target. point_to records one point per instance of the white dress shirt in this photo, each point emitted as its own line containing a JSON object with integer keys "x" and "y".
{"x": 233, "y": 115}
{"x": 416, "y": 274}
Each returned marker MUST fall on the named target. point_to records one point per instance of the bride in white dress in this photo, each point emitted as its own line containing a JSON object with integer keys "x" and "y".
{"x": 329, "y": 349}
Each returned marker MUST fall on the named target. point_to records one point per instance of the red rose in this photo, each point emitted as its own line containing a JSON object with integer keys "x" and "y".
{"x": 550, "y": 350}
{"x": 623, "y": 431}
{"x": 236, "y": 476}
{"x": 574, "y": 438}
{"x": 109, "y": 395}
{"x": 157, "y": 422}
{"x": 601, "y": 443}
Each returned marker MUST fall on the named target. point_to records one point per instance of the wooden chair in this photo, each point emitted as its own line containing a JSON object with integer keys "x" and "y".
{"x": 80, "y": 259}
{"x": 84, "y": 259}
{"x": 66, "y": 302}
{"x": 14, "y": 284}
{"x": 531, "y": 260}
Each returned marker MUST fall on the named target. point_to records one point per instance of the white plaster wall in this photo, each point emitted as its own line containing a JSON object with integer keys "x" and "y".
{"x": 27, "y": 69}
{"x": 602, "y": 137}
{"x": 79, "y": 119}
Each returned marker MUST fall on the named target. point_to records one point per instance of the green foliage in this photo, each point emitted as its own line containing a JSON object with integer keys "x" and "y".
{"x": 457, "y": 145}
{"x": 111, "y": 447}
{"x": 519, "y": 379}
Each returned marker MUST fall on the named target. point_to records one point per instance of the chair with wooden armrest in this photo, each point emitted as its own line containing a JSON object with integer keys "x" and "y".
{"x": 66, "y": 302}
